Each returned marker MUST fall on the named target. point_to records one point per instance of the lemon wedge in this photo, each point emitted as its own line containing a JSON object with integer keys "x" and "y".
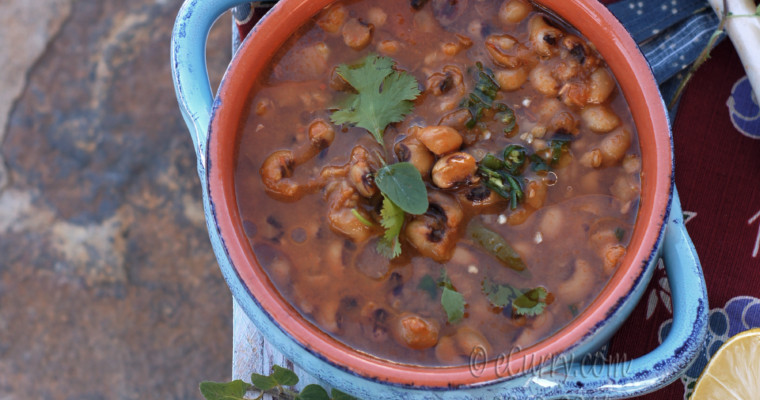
{"x": 734, "y": 370}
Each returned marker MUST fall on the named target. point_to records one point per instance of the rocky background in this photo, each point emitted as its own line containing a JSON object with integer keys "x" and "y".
{"x": 108, "y": 285}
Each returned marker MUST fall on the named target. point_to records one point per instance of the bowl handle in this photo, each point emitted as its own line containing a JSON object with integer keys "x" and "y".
{"x": 682, "y": 344}
{"x": 188, "y": 61}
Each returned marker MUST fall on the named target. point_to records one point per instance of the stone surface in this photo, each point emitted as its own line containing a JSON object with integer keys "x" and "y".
{"x": 108, "y": 286}
{"x": 26, "y": 32}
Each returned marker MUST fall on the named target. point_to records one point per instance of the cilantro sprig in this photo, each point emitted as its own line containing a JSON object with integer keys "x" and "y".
{"x": 403, "y": 192}
{"x": 392, "y": 221}
{"x": 529, "y": 302}
{"x": 384, "y": 95}
{"x": 452, "y": 301}
{"x": 275, "y": 384}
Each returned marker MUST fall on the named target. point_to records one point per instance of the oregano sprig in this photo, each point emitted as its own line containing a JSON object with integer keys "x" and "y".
{"x": 277, "y": 384}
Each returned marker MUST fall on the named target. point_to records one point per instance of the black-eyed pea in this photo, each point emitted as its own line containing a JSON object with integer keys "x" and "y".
{"x": 469, "y": 341}
{"x": 601, "y": 86}
{"x": 601, "y": 240}
{"x": 376, "y": 16}
{"x": 542, "y": 80}
{"x": 632, "y": 164}
{"x": 552, "y": 223}
{"x": 538, "y": 132}
{"x": 357, "y": 34}
{"x": 440, "y": 139}
{"x": 388, "y": 47}
{"x": 564, "y": 123}
{"x": 415, "y": 331}
{"x": 504, "y": 50}
{"x": 535, "y": 194}
{"x": 424, "y": 21}
{"x": 280, "y": 268}
{"x": 518, "y": 216}
{"x": 327, "y": 314}
{"x": 549, "y": 108}
{"x": 590, "y": 182}
{"x": 453, "y": 48}
{"x": 613, "y": 255}
{"x": 574, "y": 94}
{"x": 544, "y": 37}
{"x": 513, "y": 11}
{"x": 614, "y": 146}
{"x": 539, "y": 327}
{"x": 332, "y": 19}
{"x": 511, "y": 79}
{"x": 413, "y": 151}
{"x": 334, "y": 257}
{"x": 447, "y": 351}
{"x": 455, "y": 169}
{"x": 600, "y": 119}
{"x": 592, "y": 159}
{"x": 624, "y": 188}
{"x": 578, "y": 286}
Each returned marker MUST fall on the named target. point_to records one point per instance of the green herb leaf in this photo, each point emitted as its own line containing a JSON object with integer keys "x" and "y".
{"x": 284, "y": 377}
{"x": 392, "y": 220}
{"x": 361, "y": 218}
{"x": 499, "y": 295}
{"x": 573, "y": 310}
{"x": 428, "y": 284}
{"x": 339, "y": 395}
{"x": 528, "y": 303}
{"x": 507, "y": 117}
{"x": 514, "y": 158}
{"x": 531, "y": 303}
{"x": 619, "y": 234}
{"x": 263, "y": 382}
{"x": 234, "y": 390}
{"x": 491, "y": 162}
{"x": 403, "y": 184}
{"x": 495, "y": 245}
{"x": 313, "y": 392}
{"x": 482, "y": 95}
{"x": 453, "y": 303}
{"x": 384, "y": 95}
{"x": 559, "y": 147}
{"x": 538, "y": 163}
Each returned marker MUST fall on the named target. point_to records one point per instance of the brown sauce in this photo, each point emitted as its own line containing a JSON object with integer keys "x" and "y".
{"x": 570, "y": 229}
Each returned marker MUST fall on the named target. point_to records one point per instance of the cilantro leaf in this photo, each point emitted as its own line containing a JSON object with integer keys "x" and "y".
{"x": 531, "y": 303}
{"x": 619, "y": 234}
{"x": 384, "y": 95}
{"x": 428, "y": 284}
{"x": 402, "y": 183}
{"x": 234, "y": 390}
{"x": 499, "y": 295}
{"x": 392, "y": 220}
{"x": 453, "y": 303}
{"x": 313, "y": 392}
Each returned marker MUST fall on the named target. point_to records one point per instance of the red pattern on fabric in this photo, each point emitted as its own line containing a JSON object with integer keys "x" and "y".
{"x": 718, "y": 177}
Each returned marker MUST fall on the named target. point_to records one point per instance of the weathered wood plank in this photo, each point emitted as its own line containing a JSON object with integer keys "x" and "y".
{"x": 252, "y": 353}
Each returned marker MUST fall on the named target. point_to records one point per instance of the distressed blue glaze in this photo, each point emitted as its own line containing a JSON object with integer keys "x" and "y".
{"x": 565, "y": 377}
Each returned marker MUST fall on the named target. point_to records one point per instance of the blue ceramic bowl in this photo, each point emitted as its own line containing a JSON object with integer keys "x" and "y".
{"x": 550, "y": 369}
